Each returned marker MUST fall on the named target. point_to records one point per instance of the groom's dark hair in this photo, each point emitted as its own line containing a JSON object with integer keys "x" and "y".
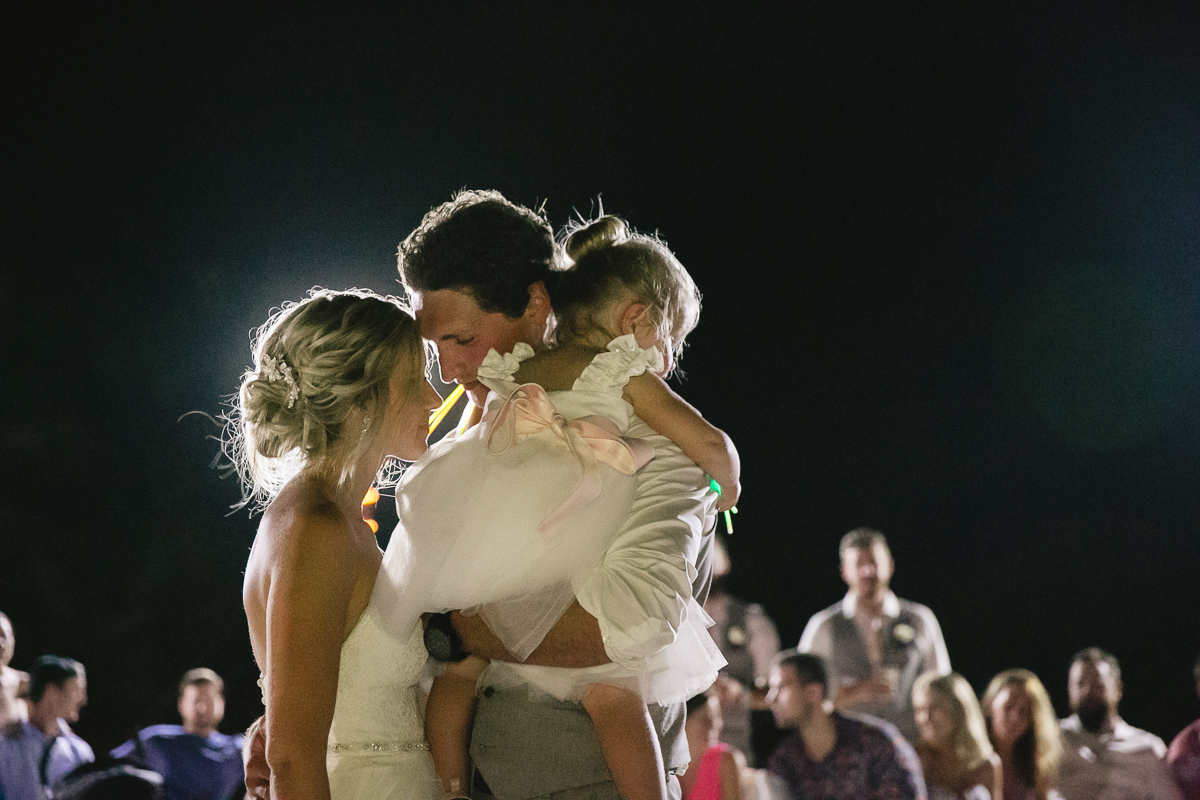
{"x": 484, "y": 245}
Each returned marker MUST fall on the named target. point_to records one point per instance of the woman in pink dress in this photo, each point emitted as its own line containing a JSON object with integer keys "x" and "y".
{"x": 715, "y": 768}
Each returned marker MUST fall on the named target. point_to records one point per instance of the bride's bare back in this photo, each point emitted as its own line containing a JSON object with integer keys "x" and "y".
{"x": 309, "y": 577}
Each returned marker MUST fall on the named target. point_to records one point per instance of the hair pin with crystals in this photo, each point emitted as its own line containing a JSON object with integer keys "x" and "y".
{"x": 275, "y": 369}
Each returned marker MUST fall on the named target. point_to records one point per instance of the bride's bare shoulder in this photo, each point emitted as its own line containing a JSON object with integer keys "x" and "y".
{"x": 303, "y": 527}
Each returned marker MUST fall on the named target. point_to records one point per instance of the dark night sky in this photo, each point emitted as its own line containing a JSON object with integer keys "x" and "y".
{"x": 951, "y": 265}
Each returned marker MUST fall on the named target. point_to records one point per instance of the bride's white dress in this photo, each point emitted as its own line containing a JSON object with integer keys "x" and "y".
{"x": 377, "y": 748}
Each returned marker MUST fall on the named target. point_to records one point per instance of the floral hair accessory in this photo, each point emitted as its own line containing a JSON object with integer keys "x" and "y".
{"x": 275, "y": 369}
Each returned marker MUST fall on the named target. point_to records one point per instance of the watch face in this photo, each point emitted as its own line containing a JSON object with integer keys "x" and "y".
{"x": 441, "y": 643}
{"x": 437, "y": 643}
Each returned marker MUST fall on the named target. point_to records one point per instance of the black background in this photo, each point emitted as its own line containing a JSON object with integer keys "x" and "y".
{"x": 949, "y": 256}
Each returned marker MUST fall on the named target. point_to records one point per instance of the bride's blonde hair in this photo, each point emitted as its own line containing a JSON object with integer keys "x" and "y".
{"x": 317, "y": 362}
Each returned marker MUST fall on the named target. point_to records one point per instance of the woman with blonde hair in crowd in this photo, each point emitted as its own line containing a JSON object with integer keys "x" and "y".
{"x": 956, "y": 756}
{"x": 1024, "y": 730}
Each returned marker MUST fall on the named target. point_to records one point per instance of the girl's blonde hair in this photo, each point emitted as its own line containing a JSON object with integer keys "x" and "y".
{"x": 969, "y": 738}
{"x": 315, "y": 363}
{"x": 1038, "y": 750}
{"x": 608, "y": 258}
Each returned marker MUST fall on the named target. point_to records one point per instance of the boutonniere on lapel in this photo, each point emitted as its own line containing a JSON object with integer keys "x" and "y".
{"x": 903, "y": 633}
{"x": 736, "y": 636}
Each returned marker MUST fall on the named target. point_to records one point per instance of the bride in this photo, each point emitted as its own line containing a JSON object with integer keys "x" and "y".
{"x": 339, "y": 386}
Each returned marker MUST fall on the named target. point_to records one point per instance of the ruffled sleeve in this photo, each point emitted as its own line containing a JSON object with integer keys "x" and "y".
{"x": 612, "y": 369}
{"x": 496, "y": 372}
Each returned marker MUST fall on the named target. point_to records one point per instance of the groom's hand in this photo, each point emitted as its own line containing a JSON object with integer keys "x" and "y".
{"x": 254, "y": 761}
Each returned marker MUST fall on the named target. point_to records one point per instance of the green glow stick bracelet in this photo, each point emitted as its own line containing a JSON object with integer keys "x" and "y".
{"x": 716, "y": 487}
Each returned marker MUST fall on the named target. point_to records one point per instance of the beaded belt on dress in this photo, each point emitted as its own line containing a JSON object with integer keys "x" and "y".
{"x": 380, "y": 747}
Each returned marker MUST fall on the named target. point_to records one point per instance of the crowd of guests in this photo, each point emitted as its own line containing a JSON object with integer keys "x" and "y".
{"x": 867, "y": 707}
{"x": 42, "y": 758}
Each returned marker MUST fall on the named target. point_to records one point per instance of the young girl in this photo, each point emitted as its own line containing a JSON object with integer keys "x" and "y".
{"x": 552, "y": 480}
{"x": 338, "y": 386}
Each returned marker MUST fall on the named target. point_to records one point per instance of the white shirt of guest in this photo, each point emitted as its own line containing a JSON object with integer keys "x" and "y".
{"x": 1125, "y": 764}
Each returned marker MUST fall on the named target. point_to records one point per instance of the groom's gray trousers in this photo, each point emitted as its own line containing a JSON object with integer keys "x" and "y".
{"x": 530, "y": 750}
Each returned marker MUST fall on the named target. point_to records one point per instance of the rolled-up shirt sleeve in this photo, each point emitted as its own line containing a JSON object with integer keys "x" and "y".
{"x": 641, "y": 590}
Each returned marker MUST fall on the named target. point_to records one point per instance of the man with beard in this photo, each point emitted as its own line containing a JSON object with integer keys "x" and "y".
{"x": 1105, "y": 758}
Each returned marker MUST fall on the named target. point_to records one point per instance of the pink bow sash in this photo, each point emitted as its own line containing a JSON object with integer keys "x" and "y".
{"x": 592, "y": 439}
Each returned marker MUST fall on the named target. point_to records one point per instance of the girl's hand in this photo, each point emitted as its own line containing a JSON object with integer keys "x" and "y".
{"x": 729, "y": 496}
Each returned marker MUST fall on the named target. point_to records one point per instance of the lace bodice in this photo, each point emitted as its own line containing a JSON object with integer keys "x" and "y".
{"x": 377, "y": 700}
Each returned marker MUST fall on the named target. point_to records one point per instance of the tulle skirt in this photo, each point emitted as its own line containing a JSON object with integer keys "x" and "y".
{"x": 475, "y": 523}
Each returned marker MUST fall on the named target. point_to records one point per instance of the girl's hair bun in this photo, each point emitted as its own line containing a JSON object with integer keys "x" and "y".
{"x": 602, "y": 232}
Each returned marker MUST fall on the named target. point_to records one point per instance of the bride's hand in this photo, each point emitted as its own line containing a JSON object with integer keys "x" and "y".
{"x": 254, "y": 760}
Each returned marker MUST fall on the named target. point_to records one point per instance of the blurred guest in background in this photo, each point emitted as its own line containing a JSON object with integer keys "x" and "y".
{"x": 196, "y": 761}
{"x": 1184, "y": 753}
{"x": 1105, "y": 758}
{"x": 36, "y": 754}
{"x": 1024, "y": 731}
{"x": 875, "y": 644}
{"x": 108, "y": 778}
{"x": 715, "y": 769}
{"x": 830, "y": 755}
{"x": 956, "y": 756}
{"x": 14, "y": 684}
{"x": 749, "y": 641}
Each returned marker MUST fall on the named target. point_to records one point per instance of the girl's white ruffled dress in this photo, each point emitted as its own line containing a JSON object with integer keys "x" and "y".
{"x": 509, "y": 516}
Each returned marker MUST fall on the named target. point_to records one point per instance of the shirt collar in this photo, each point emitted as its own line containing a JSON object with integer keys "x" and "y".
{"x": 1121, "y": 729}
{"x": 891, "y": 605}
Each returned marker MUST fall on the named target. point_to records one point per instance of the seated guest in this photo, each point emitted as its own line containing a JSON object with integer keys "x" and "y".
{"x": 195, "y": 759}
{"x": 1023, "y": 729}
{"x": 14, "y": 684}
{"x": 956, "y": 756}
{"x": 832, "y": 755}
{"x": 1184, "y": 753}
{"x": 110, "y": 778}
{"x": 715, "y": 769}
{"x": 748, "y": 639}
{"x": 35, "y": 754}
{"x": 1104, "y": 758}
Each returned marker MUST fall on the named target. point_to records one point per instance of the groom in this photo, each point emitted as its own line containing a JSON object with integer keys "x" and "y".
{"x": 476, "y": 270}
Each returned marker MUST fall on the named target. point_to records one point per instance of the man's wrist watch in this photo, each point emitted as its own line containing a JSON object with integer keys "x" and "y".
{"x": 442, "y": 641}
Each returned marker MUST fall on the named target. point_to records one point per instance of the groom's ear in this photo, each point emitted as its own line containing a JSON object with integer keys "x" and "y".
{"x": 537, "y": 312}
{"x": 539, "y": 301}
{"x": 631, "y": 317}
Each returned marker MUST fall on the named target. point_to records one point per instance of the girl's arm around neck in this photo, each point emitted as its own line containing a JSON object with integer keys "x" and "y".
{"x": 314, "y": 567}
{"x": 673, "y": 417}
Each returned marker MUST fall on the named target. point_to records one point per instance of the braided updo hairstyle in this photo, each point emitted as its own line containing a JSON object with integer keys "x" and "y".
{"x": 609, "y": 259}
{"x": 339, "y": 350}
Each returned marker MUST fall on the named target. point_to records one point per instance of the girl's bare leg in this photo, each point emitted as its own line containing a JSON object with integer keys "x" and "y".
{"x": 628, "y": 741}
{"x": 448, "y": 719}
